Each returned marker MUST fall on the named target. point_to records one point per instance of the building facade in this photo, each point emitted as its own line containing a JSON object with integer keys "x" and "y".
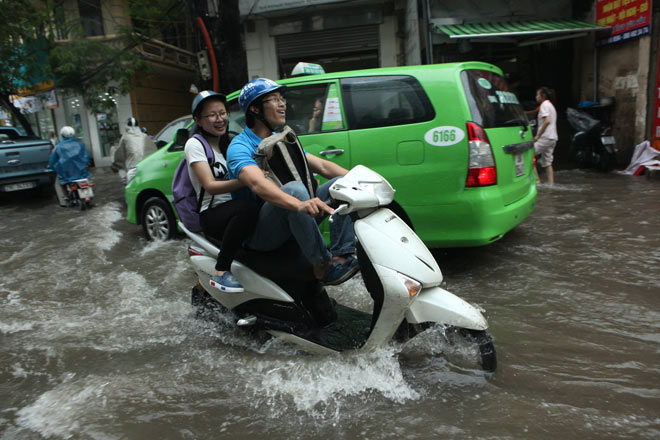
{"x": 562, "y": 45}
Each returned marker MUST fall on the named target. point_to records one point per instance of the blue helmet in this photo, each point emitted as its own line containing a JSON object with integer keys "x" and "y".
{"x": 203, "y": 96}
{"x": 256, "y": 88}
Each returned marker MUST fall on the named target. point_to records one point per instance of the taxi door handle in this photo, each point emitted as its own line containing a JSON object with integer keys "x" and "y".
{"x": 336, "y": 151}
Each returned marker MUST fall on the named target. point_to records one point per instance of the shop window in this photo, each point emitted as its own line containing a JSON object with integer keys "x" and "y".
{"x": 108, "y": 129}
{"x": 384, "y": 101}
{"x": 73, "y": 115}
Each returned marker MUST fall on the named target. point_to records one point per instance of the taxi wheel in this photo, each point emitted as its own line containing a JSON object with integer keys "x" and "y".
{"x": 158, "y": 222}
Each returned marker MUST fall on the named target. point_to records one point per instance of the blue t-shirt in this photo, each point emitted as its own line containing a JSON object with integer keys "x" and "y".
{"x": 239, "y": 155}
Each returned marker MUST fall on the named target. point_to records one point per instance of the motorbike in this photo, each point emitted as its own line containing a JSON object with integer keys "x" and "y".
{"x": 284, "y": 300}
{"x": 593, "y": 145}
{"x": 80, "y": 193}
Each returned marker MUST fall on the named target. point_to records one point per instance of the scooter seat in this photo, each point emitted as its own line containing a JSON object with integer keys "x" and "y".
{"x": 284, "y": 263}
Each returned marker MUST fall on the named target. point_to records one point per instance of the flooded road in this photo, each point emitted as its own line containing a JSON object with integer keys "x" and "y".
{"x": 98, "y": 339}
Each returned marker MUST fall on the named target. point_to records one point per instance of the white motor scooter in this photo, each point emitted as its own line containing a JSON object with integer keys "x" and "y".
{"x": 283, "y": 298}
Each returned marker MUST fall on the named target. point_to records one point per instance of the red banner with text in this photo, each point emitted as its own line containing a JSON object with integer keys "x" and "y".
{"x": 627, "y": 18}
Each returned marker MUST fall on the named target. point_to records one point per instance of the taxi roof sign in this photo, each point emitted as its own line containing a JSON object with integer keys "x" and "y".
{"x": 307, "y": 69}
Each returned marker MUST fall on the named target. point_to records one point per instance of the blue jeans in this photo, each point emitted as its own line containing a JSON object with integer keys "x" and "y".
{"x": 276, "y": 225}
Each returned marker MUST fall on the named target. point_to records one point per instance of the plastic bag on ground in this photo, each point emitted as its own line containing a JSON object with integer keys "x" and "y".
{"x": 643, "y": 156}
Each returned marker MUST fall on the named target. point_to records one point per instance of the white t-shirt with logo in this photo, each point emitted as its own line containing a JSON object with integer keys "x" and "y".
{"x": 194, "y": 152}
{"x": 547, "y": 110}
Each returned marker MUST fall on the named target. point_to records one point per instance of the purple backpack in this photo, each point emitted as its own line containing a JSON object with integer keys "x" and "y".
{"x": 186, "y": 202}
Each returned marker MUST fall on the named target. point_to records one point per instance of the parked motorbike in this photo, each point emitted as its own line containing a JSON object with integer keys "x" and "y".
{"x": 593, "y": 145}
{"x": 80, "y": 193}
{"x": 283, "y": 298}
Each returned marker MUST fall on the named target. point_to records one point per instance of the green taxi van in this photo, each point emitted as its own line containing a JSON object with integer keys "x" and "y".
{"x": 452, "y": 139}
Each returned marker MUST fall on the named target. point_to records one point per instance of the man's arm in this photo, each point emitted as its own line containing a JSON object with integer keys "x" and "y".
{"x": 253, "y": 178}
{"x": 324, "y": 167}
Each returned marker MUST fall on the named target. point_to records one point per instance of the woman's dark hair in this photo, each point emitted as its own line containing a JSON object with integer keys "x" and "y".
{"x": 224, "y": 139}
{"x": 548, "y": 93}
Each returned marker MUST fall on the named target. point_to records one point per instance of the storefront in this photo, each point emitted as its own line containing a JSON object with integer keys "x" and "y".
{"x": 99, "y": 130}
{"x": 37, "y": 104}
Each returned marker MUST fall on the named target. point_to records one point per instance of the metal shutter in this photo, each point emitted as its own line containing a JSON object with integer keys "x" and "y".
{"x": 328, "y": 42}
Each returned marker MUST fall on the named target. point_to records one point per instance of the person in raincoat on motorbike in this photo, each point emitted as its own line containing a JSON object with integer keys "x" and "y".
{"x": 69, "y": 159}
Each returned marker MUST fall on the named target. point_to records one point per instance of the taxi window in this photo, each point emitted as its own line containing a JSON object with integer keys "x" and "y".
{"x": 167, "y": 134}
{"x": 307, "y": 108}
{"x": 380, "y": 101}
{"x": 236, "y": 118}
{"x": 491, "y": 102}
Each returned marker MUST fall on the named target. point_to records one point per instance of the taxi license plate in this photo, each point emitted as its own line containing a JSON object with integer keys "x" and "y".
{"x": 520, "y": 164}
{"x": 19, "y": 186}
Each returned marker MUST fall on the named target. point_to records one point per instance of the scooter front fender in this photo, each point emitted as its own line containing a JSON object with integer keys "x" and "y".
{"x": 438, "y": 305}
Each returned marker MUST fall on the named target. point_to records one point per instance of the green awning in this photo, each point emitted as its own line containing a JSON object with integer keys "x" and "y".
{"x": 555, "y": 29}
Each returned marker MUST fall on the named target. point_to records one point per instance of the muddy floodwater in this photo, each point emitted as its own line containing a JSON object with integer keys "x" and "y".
{"x": 98, "y": 338}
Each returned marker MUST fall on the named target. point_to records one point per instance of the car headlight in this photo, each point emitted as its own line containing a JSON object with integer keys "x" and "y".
{"x": 130, "y": 174}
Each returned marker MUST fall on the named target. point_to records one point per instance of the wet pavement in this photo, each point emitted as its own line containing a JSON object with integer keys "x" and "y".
{"x": 98, "y": 339}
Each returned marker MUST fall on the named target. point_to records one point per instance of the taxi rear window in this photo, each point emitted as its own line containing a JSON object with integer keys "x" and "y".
{"x": 491, "y": 102}
{"x": 382, "y": 101}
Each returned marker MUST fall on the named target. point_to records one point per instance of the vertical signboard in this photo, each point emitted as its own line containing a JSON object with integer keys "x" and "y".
{"x": 656, "y": 112}
{"x": 627, "y": 18}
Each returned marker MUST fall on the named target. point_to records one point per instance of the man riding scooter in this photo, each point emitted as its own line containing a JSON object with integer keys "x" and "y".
{"x": 289, "y": 210}
{"x": 69, "y": 159}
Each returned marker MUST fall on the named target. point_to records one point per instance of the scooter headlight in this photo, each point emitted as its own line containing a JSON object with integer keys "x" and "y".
{"x": 413, "y": 286}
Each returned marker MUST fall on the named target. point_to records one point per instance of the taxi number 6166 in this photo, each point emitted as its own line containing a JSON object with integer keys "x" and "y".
{"x": 444, "y": 136}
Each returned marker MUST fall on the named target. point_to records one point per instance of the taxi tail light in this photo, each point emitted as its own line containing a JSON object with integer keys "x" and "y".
{"x": 481, "y": 163}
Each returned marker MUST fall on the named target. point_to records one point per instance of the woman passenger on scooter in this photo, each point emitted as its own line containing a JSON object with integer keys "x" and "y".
{"x": 221, "y": 217}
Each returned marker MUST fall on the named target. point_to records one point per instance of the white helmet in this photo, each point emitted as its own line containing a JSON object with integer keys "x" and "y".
{"x": 67, "y": 132}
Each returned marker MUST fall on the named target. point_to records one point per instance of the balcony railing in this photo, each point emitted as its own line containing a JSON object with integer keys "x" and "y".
{"x": 167, "y": 54}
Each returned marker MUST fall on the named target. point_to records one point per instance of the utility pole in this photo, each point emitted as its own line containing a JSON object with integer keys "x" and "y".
{"x": 222, "y": 21}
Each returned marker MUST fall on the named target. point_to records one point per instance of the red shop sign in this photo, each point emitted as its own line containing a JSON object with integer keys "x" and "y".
{"x": 627, "y": 18}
